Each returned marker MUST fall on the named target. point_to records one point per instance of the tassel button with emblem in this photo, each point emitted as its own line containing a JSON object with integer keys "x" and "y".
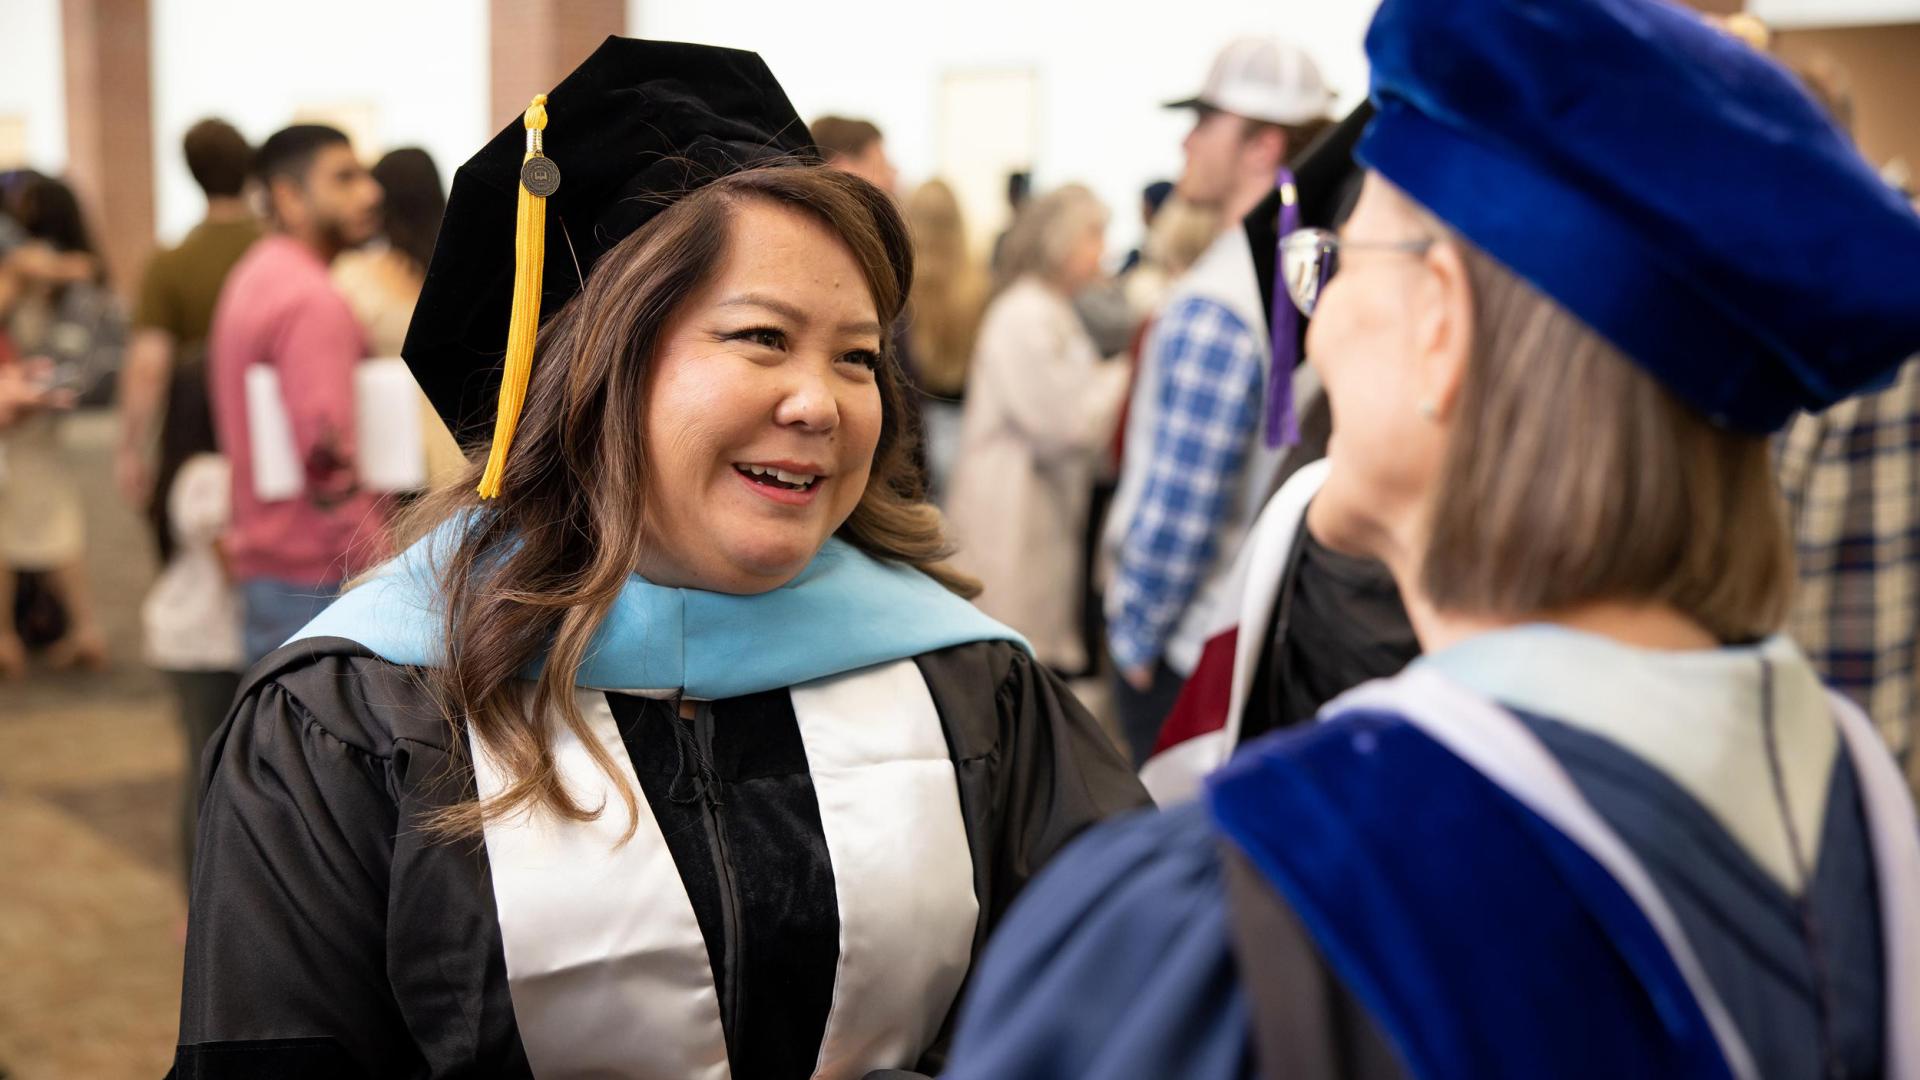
{"x": 538, "y": 174}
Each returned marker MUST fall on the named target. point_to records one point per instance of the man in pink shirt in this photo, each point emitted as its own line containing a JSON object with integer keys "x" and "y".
{"x": 279, "y": 308}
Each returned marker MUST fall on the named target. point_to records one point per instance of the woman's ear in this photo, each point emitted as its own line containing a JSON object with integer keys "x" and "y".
{"x": 1443, "y": 330}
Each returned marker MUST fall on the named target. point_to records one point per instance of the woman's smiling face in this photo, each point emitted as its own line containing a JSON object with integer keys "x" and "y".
{"x": 763, "y": 408}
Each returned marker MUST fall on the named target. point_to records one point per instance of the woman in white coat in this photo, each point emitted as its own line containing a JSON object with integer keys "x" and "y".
{"x": 1041, "y": 408}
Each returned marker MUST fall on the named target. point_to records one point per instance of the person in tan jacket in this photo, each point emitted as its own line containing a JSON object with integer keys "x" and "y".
{"x": 1041, "y": 406}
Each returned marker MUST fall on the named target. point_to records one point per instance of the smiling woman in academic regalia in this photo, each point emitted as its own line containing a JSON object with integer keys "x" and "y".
{"x": 669, "y": 750}
{"x": 1610, "y": 824}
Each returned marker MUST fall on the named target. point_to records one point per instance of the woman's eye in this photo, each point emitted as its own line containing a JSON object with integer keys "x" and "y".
{"x": 761, "y": 335}
{"x": 866, "y": 358}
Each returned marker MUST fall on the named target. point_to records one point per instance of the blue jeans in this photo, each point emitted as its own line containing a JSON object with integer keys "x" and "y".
{"x": 276, "y": 610}
{"x": 1143, "y": 714}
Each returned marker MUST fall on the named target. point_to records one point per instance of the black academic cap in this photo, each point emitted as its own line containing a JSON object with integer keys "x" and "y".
{"x": 636, "y": 125}
{"x": 1327, "y": 180}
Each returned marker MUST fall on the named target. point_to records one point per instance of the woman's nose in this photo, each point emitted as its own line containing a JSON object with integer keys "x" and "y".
{"x": 809, "y": 403}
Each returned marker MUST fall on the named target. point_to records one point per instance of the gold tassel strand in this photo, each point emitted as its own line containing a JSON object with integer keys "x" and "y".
{"x": 539, "y": 178}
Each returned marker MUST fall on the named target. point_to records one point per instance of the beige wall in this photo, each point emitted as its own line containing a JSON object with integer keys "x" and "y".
{"x": 1883, "y": 67}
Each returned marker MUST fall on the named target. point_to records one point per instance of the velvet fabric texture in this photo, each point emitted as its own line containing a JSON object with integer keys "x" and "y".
{"x": 737, "y": 808}
{"x": 1355, "y": 822}
{"x": 635, "y": 126}
{"x": 1668, "y": 185}
{"x": 1749, "y": 932}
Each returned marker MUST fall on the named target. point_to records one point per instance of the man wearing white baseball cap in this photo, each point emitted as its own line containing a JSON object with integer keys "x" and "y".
{"x": 1196, "y": 470}
{"x": 1262, "y": 102}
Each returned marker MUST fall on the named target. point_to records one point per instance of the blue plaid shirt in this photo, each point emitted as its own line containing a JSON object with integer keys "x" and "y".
{"x": 1209, "y": 416}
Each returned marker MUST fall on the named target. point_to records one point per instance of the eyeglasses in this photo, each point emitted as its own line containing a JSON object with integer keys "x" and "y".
{"x": 1309, "y": 257}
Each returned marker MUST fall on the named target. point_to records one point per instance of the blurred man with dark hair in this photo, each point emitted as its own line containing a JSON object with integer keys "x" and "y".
{"x": 280, "y": 311}
{"x": 218, "y": 157}
{"x": 856, "y": 146}
{"x": 163, "y": 388}
{"x": 317, "y": 192}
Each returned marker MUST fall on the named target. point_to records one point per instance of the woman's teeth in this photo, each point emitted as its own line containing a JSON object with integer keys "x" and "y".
{"x": 778, "y": 477}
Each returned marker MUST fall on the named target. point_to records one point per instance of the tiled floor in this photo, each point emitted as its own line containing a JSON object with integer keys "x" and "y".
{"x": 90, "y": 902}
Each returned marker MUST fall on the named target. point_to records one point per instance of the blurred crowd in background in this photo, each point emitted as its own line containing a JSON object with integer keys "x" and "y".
{"x": 1088, "y": 418}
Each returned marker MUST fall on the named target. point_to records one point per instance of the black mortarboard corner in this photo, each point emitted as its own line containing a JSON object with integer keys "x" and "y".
{"x": 1324, "y": 182}
{"x": 636, "y": 125}
{"x": 1328, "y": 181}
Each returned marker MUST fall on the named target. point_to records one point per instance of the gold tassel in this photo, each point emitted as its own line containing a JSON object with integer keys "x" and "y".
{"x": 539, "y": 178}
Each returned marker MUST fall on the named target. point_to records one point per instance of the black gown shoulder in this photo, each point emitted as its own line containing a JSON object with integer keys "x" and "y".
{"x": 303, "y": 958}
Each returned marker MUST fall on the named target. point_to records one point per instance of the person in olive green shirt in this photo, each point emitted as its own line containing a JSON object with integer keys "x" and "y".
{"x": 163, "y": 397}
{"x": 166, "y": 421}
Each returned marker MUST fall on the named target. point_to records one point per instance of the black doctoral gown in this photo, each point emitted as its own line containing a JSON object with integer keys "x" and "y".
{"x": 332, "y": 937}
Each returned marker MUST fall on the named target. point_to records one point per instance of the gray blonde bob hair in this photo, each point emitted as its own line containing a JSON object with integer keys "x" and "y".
{"x": 1044, "y": 232}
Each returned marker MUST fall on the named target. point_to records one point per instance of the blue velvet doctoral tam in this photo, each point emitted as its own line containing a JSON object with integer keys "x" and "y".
{"x": 1675, "y": 190}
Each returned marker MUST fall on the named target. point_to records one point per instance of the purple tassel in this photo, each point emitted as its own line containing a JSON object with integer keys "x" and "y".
{"x": 1283, "y": 427}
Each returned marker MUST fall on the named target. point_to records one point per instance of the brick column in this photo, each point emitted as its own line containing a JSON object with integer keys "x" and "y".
{"x": 110, "y": 128}
{"x": 535, "y": 43}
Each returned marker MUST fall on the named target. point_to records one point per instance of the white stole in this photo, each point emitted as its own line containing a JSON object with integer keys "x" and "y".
{"x": 1174, "y": 774}
{"x": 606, "y": 963}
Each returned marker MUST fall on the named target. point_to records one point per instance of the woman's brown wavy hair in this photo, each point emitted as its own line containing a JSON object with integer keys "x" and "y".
{"x": 532, "y": 574}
